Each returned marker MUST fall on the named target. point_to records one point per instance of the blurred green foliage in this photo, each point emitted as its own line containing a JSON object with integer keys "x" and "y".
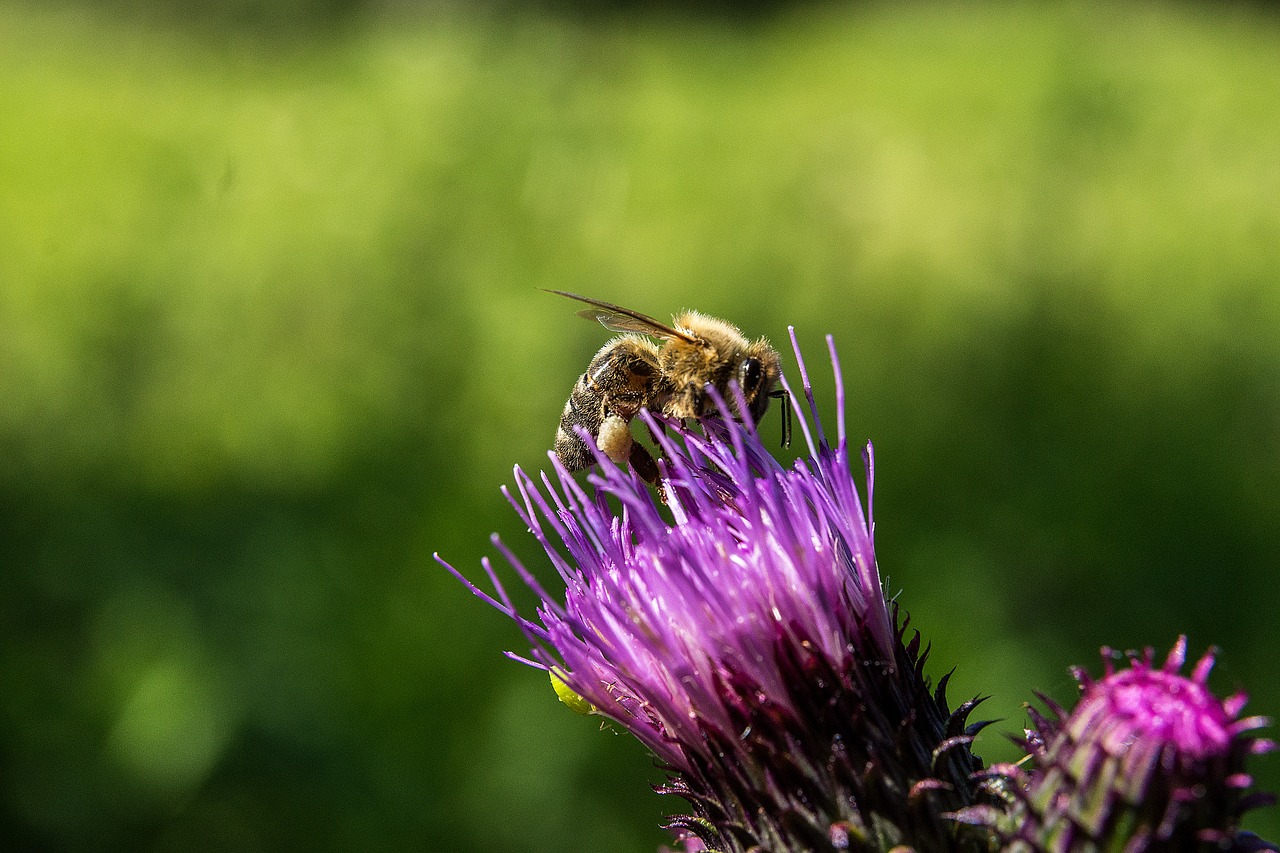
{"x": 270, "y": 335}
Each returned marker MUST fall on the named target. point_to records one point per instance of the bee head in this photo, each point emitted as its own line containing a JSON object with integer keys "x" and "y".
{"x": 758, "y": 372}
{"x": 750, "y": 378}
{"x": 719, "y": 355}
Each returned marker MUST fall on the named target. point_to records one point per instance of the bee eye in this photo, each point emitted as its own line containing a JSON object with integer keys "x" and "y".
{"x": 749, "y": 376}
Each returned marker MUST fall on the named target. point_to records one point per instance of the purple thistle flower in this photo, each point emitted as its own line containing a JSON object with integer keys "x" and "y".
{"x": 740, "y": 631}
{"x": 1148, "y": 760}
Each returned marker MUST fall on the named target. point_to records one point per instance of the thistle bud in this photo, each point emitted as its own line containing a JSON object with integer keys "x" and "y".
{"x": 1148, "y": 760}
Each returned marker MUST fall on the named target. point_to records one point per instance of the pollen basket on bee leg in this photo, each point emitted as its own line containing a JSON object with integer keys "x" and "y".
{"x": 614, "y": 439}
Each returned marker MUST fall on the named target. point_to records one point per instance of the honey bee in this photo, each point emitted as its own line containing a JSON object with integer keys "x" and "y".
{"x": 632, "y": 372}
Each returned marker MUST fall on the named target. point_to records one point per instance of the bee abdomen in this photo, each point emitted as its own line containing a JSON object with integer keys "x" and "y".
{"x": 583, "y": 409}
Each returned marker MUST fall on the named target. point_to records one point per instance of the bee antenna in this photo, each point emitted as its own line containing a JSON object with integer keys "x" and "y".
{"x": 785, "y": 395}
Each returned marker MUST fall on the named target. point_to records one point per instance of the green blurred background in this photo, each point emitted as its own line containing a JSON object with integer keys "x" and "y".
{"x": 270, "y": 336}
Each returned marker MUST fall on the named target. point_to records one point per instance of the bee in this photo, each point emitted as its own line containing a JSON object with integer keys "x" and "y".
{"x": 632, "y": 372}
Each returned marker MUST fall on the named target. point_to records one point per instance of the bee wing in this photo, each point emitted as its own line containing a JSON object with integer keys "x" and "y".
{"x": 621, "y": 319}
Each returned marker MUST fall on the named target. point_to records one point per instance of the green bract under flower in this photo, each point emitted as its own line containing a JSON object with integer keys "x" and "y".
{"x": 740, "y": 631}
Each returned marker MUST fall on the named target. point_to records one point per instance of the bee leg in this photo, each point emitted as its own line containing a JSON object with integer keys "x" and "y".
{"x": 785, "y": 396}
{"x": 614, "y": 439}
{"x": 644, "y": 464}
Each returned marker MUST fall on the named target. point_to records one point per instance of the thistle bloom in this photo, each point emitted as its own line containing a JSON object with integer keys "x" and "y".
{"x": 1149, "y": 759}
{"x": 738, "y": 628}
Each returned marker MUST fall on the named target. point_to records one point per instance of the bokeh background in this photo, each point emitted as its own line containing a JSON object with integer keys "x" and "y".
{"x": 270, "y": 335}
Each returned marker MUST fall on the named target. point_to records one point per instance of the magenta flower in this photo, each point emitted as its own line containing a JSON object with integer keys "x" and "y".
{"x": 737, "y": 626}
{"x": 741, "y": 632}
{"x": 1148, "y": 760}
